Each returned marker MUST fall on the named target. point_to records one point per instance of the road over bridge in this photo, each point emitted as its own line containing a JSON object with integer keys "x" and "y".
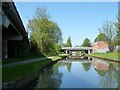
{"x": 14, "y": 36}
{"x": 71, "y": 49}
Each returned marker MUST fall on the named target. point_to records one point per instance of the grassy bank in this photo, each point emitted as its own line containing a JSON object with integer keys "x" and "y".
{"x": 58, "y": 57}
{"x": 26, "y": 57}
{"x": 0, "y": 61}
{"x": 21, "y": 71}
{"x": 109, "y": 56}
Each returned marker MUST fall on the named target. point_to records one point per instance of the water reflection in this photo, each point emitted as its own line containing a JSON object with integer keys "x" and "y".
{"x": 108, "y": 73}
{"x": 86, "y": 66}
{"x": 80, "y": 73}
{"x": 110, "y": 78}
{"x": 68, "y": 65}
{"x": 50, "y": 78}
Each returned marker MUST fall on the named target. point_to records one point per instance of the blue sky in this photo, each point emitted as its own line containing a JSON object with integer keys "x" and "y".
{"x": 78, "y": 20}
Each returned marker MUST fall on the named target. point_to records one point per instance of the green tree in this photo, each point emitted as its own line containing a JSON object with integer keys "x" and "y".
{"x": 108, "y": 29}
{"x": 77, "y": 46}
{"x": 63, "y": 44}
{"x": 117, "y": 37}
{"x": 69, "y": 44}
{"x": 44, "y": 32}
{"x": 55, "y": 49}
{"x": 101, "y": 37}
{"x": 86, "y": 43}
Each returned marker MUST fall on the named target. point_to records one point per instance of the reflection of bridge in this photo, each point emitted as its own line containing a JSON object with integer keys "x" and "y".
{"x": 71, "y": 49}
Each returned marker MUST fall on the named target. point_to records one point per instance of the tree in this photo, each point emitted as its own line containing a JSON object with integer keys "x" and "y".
{"x": 55, "y": 49}
{"x": 77, "y": 46}
{"x": 63, "y": 44}
{"x": 101, "y": 37}
{"x": 108, "y": 29}
{"x": 69, "y": 44}
{"x": 117, "y": 24}
{"x": 86, "y": 43}
{"x": 44, "y": 32}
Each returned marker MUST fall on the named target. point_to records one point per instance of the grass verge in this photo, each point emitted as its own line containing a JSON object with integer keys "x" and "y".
{"x": 110, "y": 56}
{"x": 60, "y": 56}
{"x": 30, "y": 56}
{"x": 0, "y": 62}
{"x": 21, "y": 71}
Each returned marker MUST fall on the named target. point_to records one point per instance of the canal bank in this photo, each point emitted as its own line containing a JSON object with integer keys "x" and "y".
{"x": 21, "y": 75}
{"x": 106, "y": 56}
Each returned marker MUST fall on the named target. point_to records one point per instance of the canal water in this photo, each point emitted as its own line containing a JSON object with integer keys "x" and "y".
{"x": 80, "y": 73}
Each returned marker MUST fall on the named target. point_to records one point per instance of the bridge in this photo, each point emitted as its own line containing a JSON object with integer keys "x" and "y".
{"x": 74, "y": 49}
{"x": 14, "y": 36}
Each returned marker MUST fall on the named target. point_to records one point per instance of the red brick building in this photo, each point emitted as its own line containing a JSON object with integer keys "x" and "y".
{"x": 100, "y": 46}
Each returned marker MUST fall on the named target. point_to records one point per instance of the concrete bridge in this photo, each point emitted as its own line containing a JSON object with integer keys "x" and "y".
{"x": 14, "y": 36}
{"x": 75, "y": 49}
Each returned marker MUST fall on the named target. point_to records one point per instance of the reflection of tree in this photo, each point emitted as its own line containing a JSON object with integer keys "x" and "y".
{"x": 68, "y": 65}
{"x": 119, "y": 76}
{"x": 51, "y": 78}
{"x": 110, "y": 79}
{"x": 86, "y": 66}
{"x": 101, "y": 72}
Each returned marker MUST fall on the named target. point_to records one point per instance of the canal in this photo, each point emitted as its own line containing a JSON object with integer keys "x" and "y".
{"x": 80, "y": 73}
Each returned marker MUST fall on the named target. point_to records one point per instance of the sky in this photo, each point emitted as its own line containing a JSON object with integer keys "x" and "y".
{"x": 79, "y": 20}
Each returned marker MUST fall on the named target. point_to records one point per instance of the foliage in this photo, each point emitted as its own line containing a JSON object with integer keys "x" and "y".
{"x": 44, "y": 32}
{"x": 78, "y": 53}
{"x": 86, "y": 43}
{"x": 117, "y": 24}
{"x": 108, "y": 29}
{"x": 63, "y": 44}
{"x": 101, "y": 37}
{"x": 69, "y": 44}
{"x": 77, "y": 46}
